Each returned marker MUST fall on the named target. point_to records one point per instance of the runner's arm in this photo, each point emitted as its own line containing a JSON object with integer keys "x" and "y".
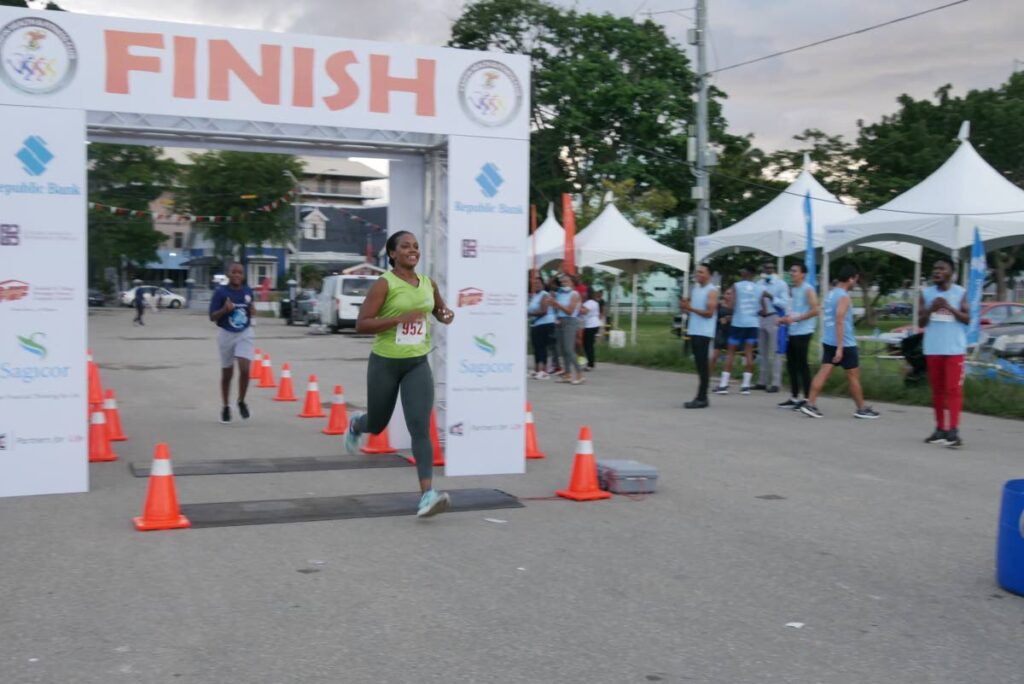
{"x": 841, "y": 308}
{"x": 227, "y": 307}
{"x": 368, "y": 323}
{"x": 441, "y": 311}
{"x": 963, "y": 314}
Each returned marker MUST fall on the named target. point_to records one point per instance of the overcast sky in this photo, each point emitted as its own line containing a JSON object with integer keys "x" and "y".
{"x": 972, "y": 45}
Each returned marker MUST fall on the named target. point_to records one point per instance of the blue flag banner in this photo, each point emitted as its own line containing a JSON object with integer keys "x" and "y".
{"x": 809, "y": 257}
{"x": 975, "y": 283}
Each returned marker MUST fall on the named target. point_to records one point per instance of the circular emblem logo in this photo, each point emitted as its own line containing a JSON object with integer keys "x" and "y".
{"x": 490, "y": 93}
{"x": 36, "y": 56}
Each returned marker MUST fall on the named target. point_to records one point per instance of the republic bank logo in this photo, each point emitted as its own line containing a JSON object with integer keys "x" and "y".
{"x": 34, "y": 155}
{"x": 489, "y": 180}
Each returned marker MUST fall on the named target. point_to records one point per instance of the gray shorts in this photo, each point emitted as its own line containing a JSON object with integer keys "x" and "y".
{"x": 235, "y": 345}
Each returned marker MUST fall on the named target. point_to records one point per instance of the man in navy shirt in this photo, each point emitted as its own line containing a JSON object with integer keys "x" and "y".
{"x": 231, "y": 309}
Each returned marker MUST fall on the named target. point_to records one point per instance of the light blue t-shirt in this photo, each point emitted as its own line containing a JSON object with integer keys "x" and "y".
{"x": 748, "y": 304}
{"x": 564, "y": 297}
{"x": 944, "y": 335}
{"x": 836, "y": 295}
{"x": 779, "y": 290}
{"x": 799, "y": 305}
{"x": 534, "y": 308}
{"x": 696, "y": 324}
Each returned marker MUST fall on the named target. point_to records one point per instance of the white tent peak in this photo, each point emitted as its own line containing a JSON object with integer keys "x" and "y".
{"x": 611, "y": 239}
{"x": 807, "y": 161}
{"x": 965, "y": 131}
{"x": 551, "y": 212}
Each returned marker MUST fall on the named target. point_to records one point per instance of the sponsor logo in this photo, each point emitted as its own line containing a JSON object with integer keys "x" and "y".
{"x": 10, "y": 235}
{"x": 469, "y": 249}
{"x": 489, "y": 180}
{"x": 34, "y": 155}
{"x": 490, "y": 93}
{"x": 470, "y": 296}
{"x": 485, "y": 343}
{"x": 13, "y": 290}
{"x": 458, "y": 430}
{"x": 502, "y": 427}
{"x": 36, "y": 56}
{"x": 4, "y": 442}
{"x": 33, "y": 346}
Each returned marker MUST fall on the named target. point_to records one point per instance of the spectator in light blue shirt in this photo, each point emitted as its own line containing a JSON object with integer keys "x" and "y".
{"x": 702, "y": 307}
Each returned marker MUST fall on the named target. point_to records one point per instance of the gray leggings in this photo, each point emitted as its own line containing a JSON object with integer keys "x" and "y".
{"x": 384, "y": 377}
{"x": 567, "y": 343}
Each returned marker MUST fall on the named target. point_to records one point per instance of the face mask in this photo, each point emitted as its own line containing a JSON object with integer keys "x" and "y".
{"x": 565, "y": 289}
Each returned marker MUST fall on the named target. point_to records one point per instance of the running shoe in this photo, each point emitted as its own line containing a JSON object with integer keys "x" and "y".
{"x": 577, "y": 381}
{"x": 789, "y": 403}
{"x": 799, "y": 404}
{"x": 867, "y": 412}
{"x": 243, "y": 410}
{"x": 432, "y": 503}
{"x": 811, "y": 411}
{"x": 696, "y": 404}
{"x": 937, "y": 437}
{"x": 773, "y": 389}
{"x": 352, "y": 435}
{"x": 759, "y": 386}
{"x": 953, "y": 440}
{"x": 722, "y": 389}
{"x": 225, "y": 414}
{"x": 744, "y": 390}
{"x": 541, "y": 375}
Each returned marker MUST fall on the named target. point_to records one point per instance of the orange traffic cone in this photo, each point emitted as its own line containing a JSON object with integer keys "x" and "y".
{"x": 583, "y": 483}
{"x": 95, "y": 386}
{"x": 435, "y": 442}
{"x": 99, "y": 441}
{"x": 267, "y": 379}
{"x": 285, "y": 392}
{"x": 114, "y": 432}
{"x": 161, "y": 511}
{"x": 337, "y": 423}
{"x": 312, "y": 408}
{"x": 532, "y": 451}
{"x": 256, "y": 367}
{"x": 378, "y": 444}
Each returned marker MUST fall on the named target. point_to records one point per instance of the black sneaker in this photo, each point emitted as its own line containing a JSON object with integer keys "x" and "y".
{"x": 722, "y": 389}
{"x": 866, "y": 412}
{"x": 744, "y": 390}
{"x": 799, "y": 404}
{"x": 696, "y": 404}
{"x": 789, "y": 403}
{"x": 773, "y": 389}
{"x": 937, "y": 437}
{"x": 225, "y": 414}
{"x": 243, "y": 410}
{"x": 953, "y": 440}
{"x": 811, "y": 410}
{"x": 759, "y": 386}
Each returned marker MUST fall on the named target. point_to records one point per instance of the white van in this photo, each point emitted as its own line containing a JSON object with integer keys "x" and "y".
{"x": 340, "y": 299}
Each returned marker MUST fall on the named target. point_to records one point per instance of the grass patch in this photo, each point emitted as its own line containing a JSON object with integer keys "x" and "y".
{"x": 882, "y": 379}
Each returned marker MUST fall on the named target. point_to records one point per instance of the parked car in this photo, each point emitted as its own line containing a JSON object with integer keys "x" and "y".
{"x": 154, "y": 295}
{"x": 96, "y": 298}
{"x": 340, "y": 299}
{"x": 305, "y": 308}
{"x": 901, "y": 309}
{"x": 996, "y": 313}
{"x": 1006, "y": 339}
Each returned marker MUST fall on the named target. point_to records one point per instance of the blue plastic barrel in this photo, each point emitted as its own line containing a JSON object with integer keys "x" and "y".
{"x": 1010, "y": 544}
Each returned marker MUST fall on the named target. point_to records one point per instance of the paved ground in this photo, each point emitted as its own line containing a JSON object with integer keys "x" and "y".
{"x": 881, "y": 546}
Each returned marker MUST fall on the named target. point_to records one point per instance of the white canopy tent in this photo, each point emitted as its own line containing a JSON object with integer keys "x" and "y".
{"x": 549, "y": 237}
{"x": 612, "y": 240}
{"x": 942, "y": 211}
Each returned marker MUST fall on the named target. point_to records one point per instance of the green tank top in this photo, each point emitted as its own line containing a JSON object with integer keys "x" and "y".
{"x": 408, "y": 340}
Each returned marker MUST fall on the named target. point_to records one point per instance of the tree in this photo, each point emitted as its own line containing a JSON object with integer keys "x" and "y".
{"x": 233, "y": 185}
{"x": 127, "y": 177}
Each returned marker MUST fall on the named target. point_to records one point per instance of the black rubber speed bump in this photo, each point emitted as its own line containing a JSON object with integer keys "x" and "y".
{"x": 277, "y": 511}
{"x": 241, "y": 466}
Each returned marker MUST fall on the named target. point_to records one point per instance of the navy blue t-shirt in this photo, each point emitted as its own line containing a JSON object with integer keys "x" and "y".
{"x": 239, "y": 319}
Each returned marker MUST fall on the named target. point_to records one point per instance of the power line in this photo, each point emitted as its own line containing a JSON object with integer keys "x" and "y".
{"x": 834, "y": 38}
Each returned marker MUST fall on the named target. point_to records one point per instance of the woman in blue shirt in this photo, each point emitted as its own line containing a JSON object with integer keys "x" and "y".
{"x": 700, "y": 327}
{"x": 542, "y": 326}
{"x": 803, "y": 315}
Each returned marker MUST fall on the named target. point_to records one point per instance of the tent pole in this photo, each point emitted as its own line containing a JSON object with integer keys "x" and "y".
{"x": 781, "y": 264}
{"x": 615, "y": 311}
{"x": 636, "y": 295}
{"x": 917, "y": 291}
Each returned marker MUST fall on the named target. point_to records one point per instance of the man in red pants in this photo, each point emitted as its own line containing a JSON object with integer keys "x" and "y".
{"x": 944, "y": 317}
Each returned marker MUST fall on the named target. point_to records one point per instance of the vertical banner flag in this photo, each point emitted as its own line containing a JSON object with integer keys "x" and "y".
{"x": 569, "y": 223}
{"x": 43, "y": 410}
{"x": 809, "y": 256}
{"x": 975, "y": 284}
{"x": 485, "y": 346}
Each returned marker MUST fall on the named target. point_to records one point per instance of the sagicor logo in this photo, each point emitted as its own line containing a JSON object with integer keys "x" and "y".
{"x": 489, "y": 180}
{"x": 485, "y": 344}
{"x": 31, "y": 345}
{"x": 34, "y": 155}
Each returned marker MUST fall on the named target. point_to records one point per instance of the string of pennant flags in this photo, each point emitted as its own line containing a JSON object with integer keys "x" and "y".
{"x": 197, "y": 218}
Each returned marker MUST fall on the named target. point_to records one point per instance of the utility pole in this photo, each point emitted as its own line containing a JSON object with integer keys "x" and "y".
{"x": 699, "y": 153}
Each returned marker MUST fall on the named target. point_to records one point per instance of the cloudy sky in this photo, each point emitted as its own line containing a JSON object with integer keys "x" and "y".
{"x": 971, "y": 45}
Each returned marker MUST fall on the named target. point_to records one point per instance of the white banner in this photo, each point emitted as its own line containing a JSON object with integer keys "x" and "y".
{"x": 488, "y": 216}
{"x": 78, "y": 61}
{"x": 43, "y": 421}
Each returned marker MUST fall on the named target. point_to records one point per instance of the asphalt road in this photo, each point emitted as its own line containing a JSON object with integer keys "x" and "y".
{"x": 879, "y": 547}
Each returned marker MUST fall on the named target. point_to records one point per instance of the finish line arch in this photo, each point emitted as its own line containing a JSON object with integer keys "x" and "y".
{"x": 454, "y": 124}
